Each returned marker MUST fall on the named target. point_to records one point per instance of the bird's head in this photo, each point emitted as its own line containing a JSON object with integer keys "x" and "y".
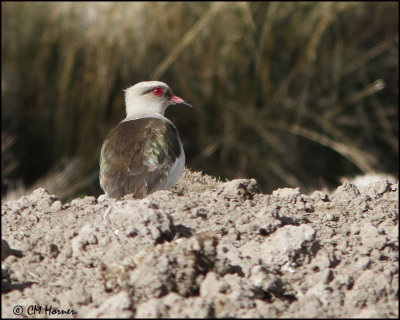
{"x": 148, "y": 98}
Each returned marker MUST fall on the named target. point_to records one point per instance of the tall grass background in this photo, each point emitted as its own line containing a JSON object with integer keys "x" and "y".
{"x": 290, "y": 93}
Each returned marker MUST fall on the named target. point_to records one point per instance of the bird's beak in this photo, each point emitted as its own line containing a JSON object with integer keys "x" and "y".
{"x": 177, "y": 100}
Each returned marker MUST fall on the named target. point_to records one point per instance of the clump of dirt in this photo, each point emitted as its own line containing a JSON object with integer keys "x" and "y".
{"x": 204, "y": 249}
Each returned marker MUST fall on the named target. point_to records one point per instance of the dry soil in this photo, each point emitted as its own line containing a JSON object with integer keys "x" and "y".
{"x": 204, "y": 249}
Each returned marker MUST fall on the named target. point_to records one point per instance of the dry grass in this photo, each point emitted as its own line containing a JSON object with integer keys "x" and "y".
{"x": 292, "y": 94}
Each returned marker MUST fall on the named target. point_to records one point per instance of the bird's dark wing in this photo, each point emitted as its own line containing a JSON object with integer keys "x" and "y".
{"x": 137, "y": 155}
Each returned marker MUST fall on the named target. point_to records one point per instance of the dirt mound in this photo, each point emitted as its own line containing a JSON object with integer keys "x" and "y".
{"x": 204, "y": 249}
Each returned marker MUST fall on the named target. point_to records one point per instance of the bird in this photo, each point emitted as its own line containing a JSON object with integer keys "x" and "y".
{"x": 144, "y": 152}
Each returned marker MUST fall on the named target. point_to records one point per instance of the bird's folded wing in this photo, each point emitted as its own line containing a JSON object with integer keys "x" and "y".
{"x": 137, "y": 155}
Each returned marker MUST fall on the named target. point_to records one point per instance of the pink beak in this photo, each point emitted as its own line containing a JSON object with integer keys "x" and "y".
{"x": 177, "y": 100}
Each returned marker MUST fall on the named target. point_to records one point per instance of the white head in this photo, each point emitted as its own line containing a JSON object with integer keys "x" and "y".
{"x": 149, "y": 98}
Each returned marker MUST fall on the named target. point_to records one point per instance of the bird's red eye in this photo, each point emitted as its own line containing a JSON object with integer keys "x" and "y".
{"x": 158, "y": 91}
